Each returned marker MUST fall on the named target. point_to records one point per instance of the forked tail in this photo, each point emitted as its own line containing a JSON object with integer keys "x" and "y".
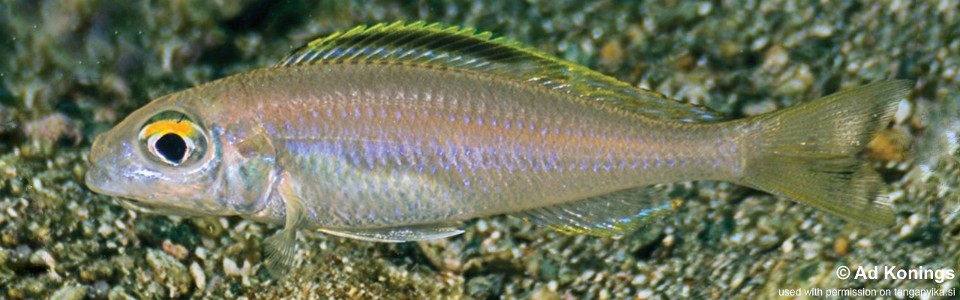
{"x": 812, "y": 152}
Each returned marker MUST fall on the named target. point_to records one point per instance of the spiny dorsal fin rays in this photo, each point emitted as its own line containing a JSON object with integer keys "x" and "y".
{"x": 463, "y": 48}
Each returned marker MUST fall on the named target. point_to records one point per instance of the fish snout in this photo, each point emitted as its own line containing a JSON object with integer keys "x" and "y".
{"x": 97, "y": 178}
{"x": 103, "y": 160}
{"x": 96, "y": 149}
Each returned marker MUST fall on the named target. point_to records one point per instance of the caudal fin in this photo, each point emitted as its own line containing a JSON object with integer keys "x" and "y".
{"x": 812, "y": 152}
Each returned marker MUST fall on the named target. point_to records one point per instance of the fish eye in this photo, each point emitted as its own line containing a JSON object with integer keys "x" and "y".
{"x": 172, "y": 147}
{"x": 172, "y": 138}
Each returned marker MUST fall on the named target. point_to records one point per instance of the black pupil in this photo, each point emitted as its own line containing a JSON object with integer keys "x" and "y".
{"x": 172, "y": 147}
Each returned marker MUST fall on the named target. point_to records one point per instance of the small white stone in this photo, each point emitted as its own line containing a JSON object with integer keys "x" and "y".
{"x": 775, "y": 57}
{"x": 230, "y": 268}
{"x": 787, "y": 246}
{"x": 811, "y": 250}
{"x": 200, "y": 253}
{"x": 668, "y": 241}
{"x": 247, "y": 268}
{"x": 822, "y": 31}
{"x": 914, "y": 219}
{"x": 895, "y": 195}
{"x": 906, "y": 230}
{"x": 904, "y": 111}
{"x": 105, "y": 230}
{"x": 586, "y": 275}
{"x": 199, "y": 278}
{"x": 120, "y": 225}
{"x": 43, "y": 257}
{"x": 704, "y": 8}
{"x": 37, "y": 184}
{"x": 13, "y": 213}
{"x": 482, "y": 226}
{"x": 604, "y": 294}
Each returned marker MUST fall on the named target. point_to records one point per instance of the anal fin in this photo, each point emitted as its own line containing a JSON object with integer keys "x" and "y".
{"x": 398, "y": 234}
{"x": 605, "y": 215}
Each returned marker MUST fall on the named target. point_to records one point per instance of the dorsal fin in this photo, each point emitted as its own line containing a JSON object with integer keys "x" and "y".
{"x": 463, "y": 48}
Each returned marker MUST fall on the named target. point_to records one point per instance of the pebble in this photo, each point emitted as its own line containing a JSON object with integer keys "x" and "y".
{"x": 21, "y": 254}
{"x": 177, "y": 251}
{"x": 759, "y": 108}
{"x": 889, "y": 145}
{"x": 199, "y": 278}
{"x": 864, "y": 244}
{"x": 168, "y": 270}
{"x": 787, "y": 246}
{"x": 908, "y": 230}
{"x": 811, "y": 250}
{"x": 704, "y": 8}
{"x": 43, "y": 258}
{"x": 230, "y": 268}
{"x": 822, "y": 31}
{"x": 604, "y": 294}
{"x": 904, "y": 111}
{"x": 611, "y": 54}
{"x": 119, "y": 293}
{"x": 841, "y": 246}
{"x": 796, "y": 82}
{"x": 105, "y": 230}
{"x": 668, "y": 241}
{"x": 768, "y": 241}
{"x": 544, "y": 294}
{"x": 482, "y": 287}
{"x": 200, "y": 253}
{"x": 70, "y": 292}
{"x": 100, "y": 290}
{"x": 776, "y": 57}
{"x": 482, "y": 226}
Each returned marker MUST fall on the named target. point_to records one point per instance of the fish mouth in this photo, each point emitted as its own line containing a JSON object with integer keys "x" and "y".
{"x": 149, "y": 208}
{"x": 97, "y": 180}
{"x": 137, "y": 205}
{"x": 100, "y": 181}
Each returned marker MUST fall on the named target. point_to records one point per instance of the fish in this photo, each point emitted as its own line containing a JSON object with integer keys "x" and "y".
{"x": 402, "y": 131}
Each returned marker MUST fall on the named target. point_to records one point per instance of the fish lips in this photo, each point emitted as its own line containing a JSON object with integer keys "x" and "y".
{"x": 144, "y": 207}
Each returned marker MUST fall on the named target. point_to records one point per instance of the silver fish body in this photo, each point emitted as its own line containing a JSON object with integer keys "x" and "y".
{"x": 426, "y": 145}
{"x": 382, "y": 135}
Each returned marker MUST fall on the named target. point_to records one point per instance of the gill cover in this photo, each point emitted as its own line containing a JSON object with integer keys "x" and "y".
{"x": 248, "y": 169}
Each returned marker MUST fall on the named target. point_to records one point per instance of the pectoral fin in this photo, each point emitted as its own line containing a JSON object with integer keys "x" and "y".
{"x": 281, "y": 248}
